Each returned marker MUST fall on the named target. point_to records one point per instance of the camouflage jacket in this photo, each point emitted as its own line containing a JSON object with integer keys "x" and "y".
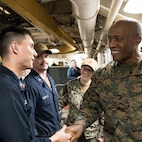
{"x": 72, "y": 94}
{"x": 117, "y": 91}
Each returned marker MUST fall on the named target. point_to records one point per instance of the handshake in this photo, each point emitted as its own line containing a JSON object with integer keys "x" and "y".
{"x": 69, "y": 134}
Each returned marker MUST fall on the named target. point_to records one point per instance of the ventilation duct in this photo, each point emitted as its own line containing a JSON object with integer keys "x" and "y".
{"x": 112, "y": 14}
{"x": 85, "y": 12}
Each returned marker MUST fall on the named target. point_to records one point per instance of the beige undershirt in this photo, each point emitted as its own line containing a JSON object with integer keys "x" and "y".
{"x": 48, "y": 82}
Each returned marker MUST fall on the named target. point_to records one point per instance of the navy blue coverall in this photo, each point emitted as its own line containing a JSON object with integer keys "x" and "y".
{"x": 17, "y": 122}
{"x": 45, "y": 103}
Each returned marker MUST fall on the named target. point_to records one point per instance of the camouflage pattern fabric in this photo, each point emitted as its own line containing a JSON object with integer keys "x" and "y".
{"x": 72, "y": 94}
{"x": 117, "y": 91}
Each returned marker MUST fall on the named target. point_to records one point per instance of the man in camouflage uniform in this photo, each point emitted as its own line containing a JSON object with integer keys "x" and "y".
{"x": 116, "y": 89}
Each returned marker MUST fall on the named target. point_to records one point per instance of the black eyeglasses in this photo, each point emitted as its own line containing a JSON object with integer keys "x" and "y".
{"x": 87, "y": 69}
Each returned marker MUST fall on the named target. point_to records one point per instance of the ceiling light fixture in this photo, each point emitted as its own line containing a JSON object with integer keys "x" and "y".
{"x": 133, "y": 7}
{"x": 54, "y": 50}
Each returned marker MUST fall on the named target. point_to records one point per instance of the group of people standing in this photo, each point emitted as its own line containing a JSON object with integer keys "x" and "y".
{"x": 104, "y": 103}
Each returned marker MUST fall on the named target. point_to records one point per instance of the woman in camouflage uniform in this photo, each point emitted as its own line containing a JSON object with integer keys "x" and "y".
{"x": 73, "y": 93}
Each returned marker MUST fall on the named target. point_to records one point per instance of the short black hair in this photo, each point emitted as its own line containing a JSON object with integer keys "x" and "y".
{"x": 8, "y": 34}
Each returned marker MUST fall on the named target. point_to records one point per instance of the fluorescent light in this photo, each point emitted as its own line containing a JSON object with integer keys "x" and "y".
{"x": 54, "y": 50}
{"x": 133, "y": 7}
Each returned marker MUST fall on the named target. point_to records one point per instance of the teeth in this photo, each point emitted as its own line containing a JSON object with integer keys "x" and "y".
{"x": 114, "y": 51}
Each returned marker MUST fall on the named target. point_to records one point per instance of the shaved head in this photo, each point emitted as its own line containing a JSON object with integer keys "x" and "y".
{"x": 124, "y": 38}
{"x": 130, "y": 26}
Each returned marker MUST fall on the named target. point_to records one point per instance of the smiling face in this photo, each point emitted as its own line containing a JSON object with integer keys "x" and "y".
{"x": 27, "y": 53}
{"x": 41, "y": 62}
{"x": 123, "y": 39}
{"x": 86, "y": 72}
{"x": 22, "y": 52}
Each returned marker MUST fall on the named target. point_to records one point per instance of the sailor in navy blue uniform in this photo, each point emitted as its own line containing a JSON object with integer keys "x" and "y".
{"x": 45, "y": 103}
{"x": 43, "y": 91}
{"x": 17, "y": 122}
{"x": 17, "y": 119}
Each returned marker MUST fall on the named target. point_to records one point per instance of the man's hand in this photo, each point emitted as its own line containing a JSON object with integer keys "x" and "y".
{"x": 100, "y": 140}
{"x": 75, "y": 131}
{"x": 61, "y": 136}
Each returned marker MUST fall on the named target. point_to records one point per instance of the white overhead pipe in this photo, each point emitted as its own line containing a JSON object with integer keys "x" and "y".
{"x": 85, "y": 12}
{"x": 104, "y": 12}
{"x": 114, "y": 9}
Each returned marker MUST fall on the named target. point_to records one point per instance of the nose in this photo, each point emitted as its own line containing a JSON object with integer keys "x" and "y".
{"x": 35, "y": 53}
{"x": 112, "y": 43}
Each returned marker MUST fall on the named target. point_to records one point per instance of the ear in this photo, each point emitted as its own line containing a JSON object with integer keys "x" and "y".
{"x": 14, "y": 47}
{"x": 138, "y": 39}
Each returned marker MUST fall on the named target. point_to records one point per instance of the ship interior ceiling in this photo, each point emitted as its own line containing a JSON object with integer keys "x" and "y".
{"x": 70, "y": 26}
